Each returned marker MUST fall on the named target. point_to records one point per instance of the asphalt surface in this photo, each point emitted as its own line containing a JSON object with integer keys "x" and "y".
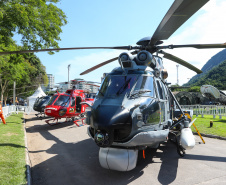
{"x": 64, "y": 154}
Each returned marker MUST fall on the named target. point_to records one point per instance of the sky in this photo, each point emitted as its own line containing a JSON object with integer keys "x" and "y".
{"x": 93, "y": 23}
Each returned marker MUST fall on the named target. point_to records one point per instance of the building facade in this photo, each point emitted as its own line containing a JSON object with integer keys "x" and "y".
{"x": 79, "y": 83}
{"x": 51, "y": 82}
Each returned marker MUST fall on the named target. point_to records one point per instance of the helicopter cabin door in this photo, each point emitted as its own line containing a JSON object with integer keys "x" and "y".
{"x": 78, "y": 105}
{"x": 72, "y": 109}
{"x": 163, "y": 101}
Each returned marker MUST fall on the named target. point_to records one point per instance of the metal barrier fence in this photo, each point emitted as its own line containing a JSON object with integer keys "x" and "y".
{"x": 8, "y": 110}
{"x": 215, "y": 110}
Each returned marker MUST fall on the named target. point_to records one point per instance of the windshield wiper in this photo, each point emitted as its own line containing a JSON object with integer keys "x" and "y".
{"x": 124, "y": 86}
{"x": 139, "y": 92}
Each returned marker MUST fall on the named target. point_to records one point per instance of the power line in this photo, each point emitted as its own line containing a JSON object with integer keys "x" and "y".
{"x": 26, "y": 86}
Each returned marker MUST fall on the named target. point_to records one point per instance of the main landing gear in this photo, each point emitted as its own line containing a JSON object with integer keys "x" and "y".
{"x": 180, "y": 149}
{"x": 54, "y": 121}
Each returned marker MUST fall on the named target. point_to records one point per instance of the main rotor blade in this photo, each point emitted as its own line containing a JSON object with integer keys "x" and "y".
{"x": 75, "y": 48}
{"x": 179, "y": 12}
{"x": 103, "y": 63}
{"x": 197, "y": 46}
{"x": 180, "y": 61}
{"x": 98, "y": 66}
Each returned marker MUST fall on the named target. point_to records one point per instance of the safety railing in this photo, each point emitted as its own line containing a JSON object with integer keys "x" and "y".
{"x": 8, "y": 110}
{"x": 215, "y": 110}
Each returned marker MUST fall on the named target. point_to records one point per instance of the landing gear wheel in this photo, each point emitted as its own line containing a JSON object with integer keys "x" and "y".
{"x": 82, "y": 115}
{"x": 180, "y": 150}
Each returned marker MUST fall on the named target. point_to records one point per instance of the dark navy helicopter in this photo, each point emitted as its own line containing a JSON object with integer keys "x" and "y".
{"x": 40, "y": 104}
{"x": 134, "y": 108}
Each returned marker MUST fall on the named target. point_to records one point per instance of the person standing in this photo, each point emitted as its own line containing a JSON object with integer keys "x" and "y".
{"x": 1, "y": 113}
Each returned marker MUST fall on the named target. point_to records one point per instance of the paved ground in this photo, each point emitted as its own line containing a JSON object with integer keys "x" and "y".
{"x": 64, "y": 154}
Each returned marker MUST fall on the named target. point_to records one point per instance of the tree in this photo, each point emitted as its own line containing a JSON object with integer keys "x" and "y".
{"x": 37, "y": 21}
{"x": 25, "y": 69}
{"x": 39, "y": 24}
{"x": 194, "y": 89}
{"x": 7, "y": 70}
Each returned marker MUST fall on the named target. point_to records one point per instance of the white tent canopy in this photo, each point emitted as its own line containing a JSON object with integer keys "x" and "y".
{"x": 38, "y": 93}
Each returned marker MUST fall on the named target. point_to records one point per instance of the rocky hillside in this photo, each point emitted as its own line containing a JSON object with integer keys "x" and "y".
{"x": 214, "y": 72}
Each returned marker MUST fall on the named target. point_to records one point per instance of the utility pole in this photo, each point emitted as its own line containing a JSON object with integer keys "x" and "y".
{"x": 69, "y": 65}
{"x": 14, "y": 92}
{"x": 177, "y": 75}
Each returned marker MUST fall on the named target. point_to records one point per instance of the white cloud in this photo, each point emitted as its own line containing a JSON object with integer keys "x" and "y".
{"x": 208, "y": 28}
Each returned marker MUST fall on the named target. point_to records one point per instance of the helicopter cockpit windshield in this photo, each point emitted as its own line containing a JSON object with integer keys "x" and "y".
{"x": 143, "y": 87}
{"x": 62, "y": 100}
{"x": 133, "y": 85}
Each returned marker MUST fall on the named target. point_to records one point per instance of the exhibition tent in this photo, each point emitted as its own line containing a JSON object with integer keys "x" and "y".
{"x": 31, "y": 99}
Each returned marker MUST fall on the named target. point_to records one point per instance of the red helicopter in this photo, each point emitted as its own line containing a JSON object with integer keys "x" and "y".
{"x": 69, "y": 105}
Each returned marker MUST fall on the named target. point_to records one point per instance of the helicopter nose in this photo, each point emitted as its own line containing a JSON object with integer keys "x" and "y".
{"x": 112, "y": 123}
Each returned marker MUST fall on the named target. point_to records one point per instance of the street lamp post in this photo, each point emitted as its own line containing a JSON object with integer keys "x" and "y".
{"x": 69, "y": 65}
{"x": 14, "y": 92}
{"x": 177, "y": 75}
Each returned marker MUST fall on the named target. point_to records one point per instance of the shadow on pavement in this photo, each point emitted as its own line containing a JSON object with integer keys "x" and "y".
{"x": 79, "y": 163}
{"x": 205, "y": 158}
{"x": 46, "y": 127}
{"x": 36, "y": 118}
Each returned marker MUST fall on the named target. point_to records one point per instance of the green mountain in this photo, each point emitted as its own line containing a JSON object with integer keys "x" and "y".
{"x": 214, "y": 72}
{"x": 214, "y": 61}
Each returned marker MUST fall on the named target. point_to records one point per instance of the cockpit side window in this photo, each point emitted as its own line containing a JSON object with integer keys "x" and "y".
{"x": 145, "y": 84}
{"x": 160, "y": 90}
{"x": 164, "y": 91}
{"x": 104, "y": 86}
{"x": 52, "y": 99}
{"x": 72, "y": 101}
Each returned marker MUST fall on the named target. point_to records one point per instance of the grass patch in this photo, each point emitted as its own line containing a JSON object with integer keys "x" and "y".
{"x": 12, "y": 151}
{"x": 203, "y": 125}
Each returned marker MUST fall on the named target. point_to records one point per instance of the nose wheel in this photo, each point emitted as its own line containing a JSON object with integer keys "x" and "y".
{"x": 180, "y": 149}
